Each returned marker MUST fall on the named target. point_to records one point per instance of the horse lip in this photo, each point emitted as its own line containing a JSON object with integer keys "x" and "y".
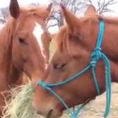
{"x": 49, "y": 113}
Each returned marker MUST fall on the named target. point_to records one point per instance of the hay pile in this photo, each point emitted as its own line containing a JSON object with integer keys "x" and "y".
{"x": 19, "y": 105}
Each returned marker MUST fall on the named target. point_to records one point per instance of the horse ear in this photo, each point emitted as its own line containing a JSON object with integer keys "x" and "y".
{"x": 48, "y": 10}
{"x": 14, "y": 8}
{"x": 70, "y": 18}
{"x": 90, "y": 11}
{"x": 49, "y": 7}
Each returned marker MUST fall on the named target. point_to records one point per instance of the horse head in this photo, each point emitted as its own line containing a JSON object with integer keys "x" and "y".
{"x": 60, "y": 87}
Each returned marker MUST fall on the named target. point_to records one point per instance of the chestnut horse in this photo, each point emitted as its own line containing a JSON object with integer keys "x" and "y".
{"x": 75, "y": 43}
{"x": 24, "y": 42}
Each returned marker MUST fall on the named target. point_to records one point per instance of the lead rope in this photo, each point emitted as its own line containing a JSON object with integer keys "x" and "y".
{"x": 95, "y": 57}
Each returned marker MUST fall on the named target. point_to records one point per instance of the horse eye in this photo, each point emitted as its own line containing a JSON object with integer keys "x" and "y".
{"x": 59, "y": 66}
{"x": 22, "y": 40}
{"x": 75, "y": 36}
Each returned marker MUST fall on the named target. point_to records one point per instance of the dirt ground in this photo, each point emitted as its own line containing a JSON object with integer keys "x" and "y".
{"x": 95, "y": 109}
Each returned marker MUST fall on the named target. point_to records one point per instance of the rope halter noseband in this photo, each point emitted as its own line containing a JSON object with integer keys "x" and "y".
{"x": 96, "y": 55}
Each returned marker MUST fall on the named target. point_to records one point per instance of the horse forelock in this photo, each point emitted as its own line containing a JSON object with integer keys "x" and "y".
{"x": 38, "y": 11}
{"x": 62, "y": 39}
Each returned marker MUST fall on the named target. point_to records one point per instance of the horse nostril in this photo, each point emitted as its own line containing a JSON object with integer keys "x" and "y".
{"x": 38, "y": 112}
{"x": 49, "y": 113}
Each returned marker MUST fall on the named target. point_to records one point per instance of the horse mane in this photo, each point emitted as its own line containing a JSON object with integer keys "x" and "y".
{"x": 111, "y": 20}
{"x": 6, "y": 34}
{"x": 39, "y": 11}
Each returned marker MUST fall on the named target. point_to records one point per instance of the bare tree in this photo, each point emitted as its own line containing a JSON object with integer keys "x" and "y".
{"x": 4, "y": 14}
{"x": 102, "y": 6}
{"x": 76, "y": 6}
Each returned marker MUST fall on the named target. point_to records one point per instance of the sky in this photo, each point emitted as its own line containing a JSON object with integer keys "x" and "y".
{"x": 5, "y": 3}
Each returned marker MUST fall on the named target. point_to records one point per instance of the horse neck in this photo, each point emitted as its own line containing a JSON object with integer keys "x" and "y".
{"x": 110, "y": 47}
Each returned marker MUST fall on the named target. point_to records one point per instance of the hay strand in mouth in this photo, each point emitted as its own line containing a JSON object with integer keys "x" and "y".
{"x": 19, "y": 105}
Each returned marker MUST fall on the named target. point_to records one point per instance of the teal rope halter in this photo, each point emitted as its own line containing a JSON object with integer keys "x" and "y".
{"x": 96, "y": 55}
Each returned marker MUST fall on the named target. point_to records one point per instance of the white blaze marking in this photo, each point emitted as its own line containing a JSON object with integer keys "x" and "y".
{"x": 37, "y": 32}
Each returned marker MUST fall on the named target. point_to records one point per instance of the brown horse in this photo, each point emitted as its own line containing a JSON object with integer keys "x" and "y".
{"x": 75, "y": 43}
{"x": 24, "y": 43}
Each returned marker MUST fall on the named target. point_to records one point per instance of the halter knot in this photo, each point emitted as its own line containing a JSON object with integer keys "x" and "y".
{"x": 95, "y": 56}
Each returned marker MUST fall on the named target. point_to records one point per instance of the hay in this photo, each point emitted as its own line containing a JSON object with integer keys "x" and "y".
{"x": 19, "y": 105}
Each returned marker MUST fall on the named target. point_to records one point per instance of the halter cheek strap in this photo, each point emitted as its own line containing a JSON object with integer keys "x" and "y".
{"x": 96, "y": 55}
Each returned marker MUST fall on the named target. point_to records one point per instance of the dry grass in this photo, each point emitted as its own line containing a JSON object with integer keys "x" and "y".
{"x": 19, "y": 106}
